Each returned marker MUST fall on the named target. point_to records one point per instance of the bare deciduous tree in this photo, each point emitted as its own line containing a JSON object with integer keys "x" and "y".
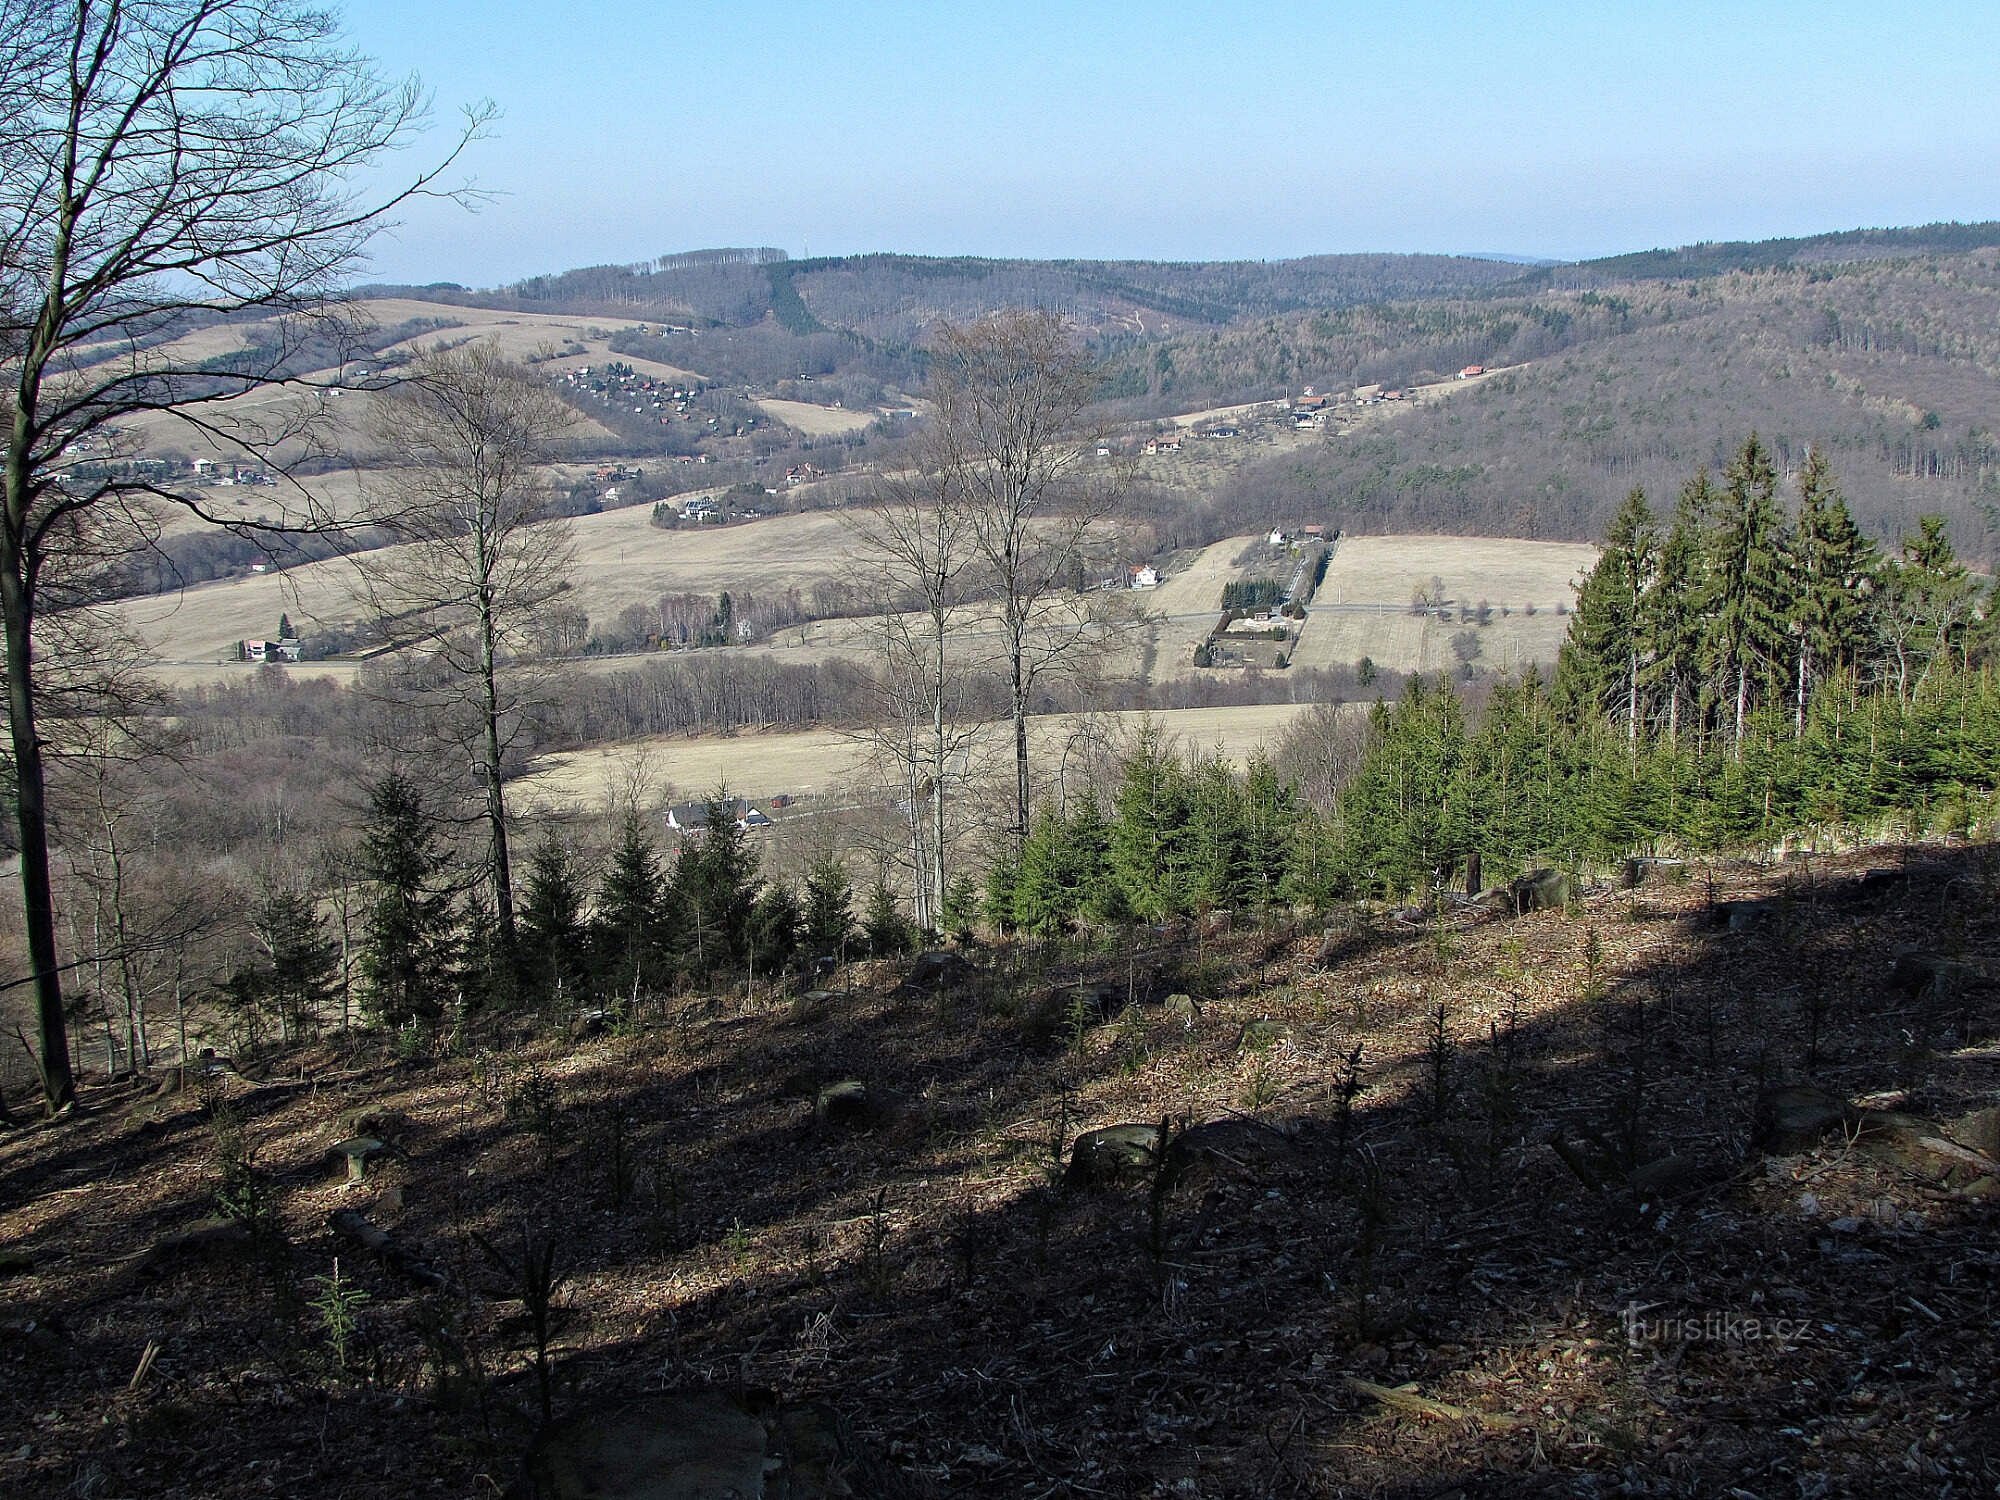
{"x": 921, "y": 546}
{"x": 1009, "y": 397}
{"x": 478, "y": 557}
{"x": 164, "y": 165}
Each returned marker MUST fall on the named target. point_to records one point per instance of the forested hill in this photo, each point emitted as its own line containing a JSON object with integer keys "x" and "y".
{"x": 1880, "y": 346}
{"x": 896, "y": 297}
{"x": 1719, "y": 257}
{"x": 1891, "y": 367}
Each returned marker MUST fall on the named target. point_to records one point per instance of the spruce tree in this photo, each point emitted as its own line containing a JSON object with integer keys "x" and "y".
{"x": 410, "y": 934}
{"x": 628, "y": 927}
{"x": 714, "y": 886}
{"x": 829, "y": 909}
{"x": 1833, "y": 567}
{"x": 554, "y": 932}
{"x": 1602, "y": 662}
{"x": 775, "y": 923}
{"x": 300, "y": 971}
{"x": 1749, "y": 591}
{"x": 1671, "y": 624}
{"x": 1150, "y": 827}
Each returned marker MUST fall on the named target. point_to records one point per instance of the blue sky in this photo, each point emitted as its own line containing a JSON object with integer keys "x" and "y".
{"x": 1187, "y": 131}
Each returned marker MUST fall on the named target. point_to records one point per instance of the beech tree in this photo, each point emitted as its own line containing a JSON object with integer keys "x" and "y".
{"x": 1008, "y": 399}
{"x": 478, "y": 554}
{"x": 164, "y": 165}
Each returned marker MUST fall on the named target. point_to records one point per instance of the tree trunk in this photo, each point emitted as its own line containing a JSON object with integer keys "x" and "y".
{"x": 1020, "y": 753}
{"x": 31, "y": 815}
{"x": 496, "y": 805}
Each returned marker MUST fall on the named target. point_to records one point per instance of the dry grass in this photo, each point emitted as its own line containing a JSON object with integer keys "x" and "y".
{"x": 829, "y": 762}
{"x": 816, "y": 421}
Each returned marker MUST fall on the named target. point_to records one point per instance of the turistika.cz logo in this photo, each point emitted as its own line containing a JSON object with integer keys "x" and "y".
{"x": 1712, "y": 1327}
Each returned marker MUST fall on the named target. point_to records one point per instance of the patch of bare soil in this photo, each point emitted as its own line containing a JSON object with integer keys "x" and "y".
{"x": 1662, "y": 1194}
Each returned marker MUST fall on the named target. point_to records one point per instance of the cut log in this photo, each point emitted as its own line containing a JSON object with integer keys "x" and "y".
{"x": 393, "y": 1253}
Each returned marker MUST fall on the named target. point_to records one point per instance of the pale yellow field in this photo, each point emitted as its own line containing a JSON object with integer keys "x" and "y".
{"x": 1384, "y": 570}
{"x": 1375, "y": 575}
{"x": 826, "y": 762}
{"x": 622, "y": 558}
{"x": 815, "y": 421}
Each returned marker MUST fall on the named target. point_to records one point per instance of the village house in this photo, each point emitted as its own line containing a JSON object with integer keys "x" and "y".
{"x": 287, "y": 649}
{"x": 1144, "y": 576}
{"x": 692, "y": 817}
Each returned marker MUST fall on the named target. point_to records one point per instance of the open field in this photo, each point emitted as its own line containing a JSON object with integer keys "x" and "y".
{"x": 622, "y": 558}
{"x": 827, "y": 761}
{"x": 815, "y": 421}
{"x": 1363, "y": 607}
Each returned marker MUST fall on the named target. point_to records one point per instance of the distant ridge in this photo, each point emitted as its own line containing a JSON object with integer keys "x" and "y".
{"x": 1719, "y": 257}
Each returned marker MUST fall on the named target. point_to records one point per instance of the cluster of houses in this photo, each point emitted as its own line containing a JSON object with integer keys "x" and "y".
{"x": 287, "y": 648}
{"x": 693, "y": 817}
{"x": 216, "y": 472}
{"x": 804, "y": 473}
{"x": 701, "y": 509}
{"x": 649, "y": 395}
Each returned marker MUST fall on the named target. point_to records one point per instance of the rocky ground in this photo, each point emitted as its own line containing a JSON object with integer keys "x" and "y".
{"x": 1685, "y": 1189}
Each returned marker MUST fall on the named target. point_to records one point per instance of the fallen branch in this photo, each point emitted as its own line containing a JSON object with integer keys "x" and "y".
{"x": 1405, "y": 1398}
{"x": 349, "y": 1224}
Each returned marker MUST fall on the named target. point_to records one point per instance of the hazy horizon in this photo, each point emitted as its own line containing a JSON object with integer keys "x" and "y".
{"x": 1551, "y": 130}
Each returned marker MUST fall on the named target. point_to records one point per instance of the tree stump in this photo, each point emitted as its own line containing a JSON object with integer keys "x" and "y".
{"x": 1113, "y": 1154}
{"x": 1541, "y": 890}
{"x": 356, "y": 1152}
{"x": 697, "y": 1445}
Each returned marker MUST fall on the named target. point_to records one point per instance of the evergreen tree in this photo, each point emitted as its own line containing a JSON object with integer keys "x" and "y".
{"x": 1270, "y": 814}
{"x": 829, "y": 909}
{"x": 299, "y": 972}
{"x": 410, "y": 935}
{"x": 1833, "y": 567}
{"x": 1150, "y": 827}
{"x": 1928, "y": 606}
{"x": 554, "y": 932}
{"x": 1601, "y": 664}
{"x": 776, "y": 920}
{"x": 1672, "y": 618}
{"x": 628, "y": 928}
{"x": 1214, "y": 849}
{"x": 1749, "y": 591}
{"x": 714, "y": 886}
{"x": 888, "y": 933}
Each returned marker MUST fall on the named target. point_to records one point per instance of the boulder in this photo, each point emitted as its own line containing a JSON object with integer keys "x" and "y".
{"x": 590, "y": 1025}
{"x": 369, "y": 1119}
{"x": 1237, "y": 1149}
{"x": 848, "y": 1103}
{"x": 1874, "y": 885}
{"x": 701, "y": 1445}
{"x": 1259, "y": 1034}
{"x": 1914, "y": 973}
{"x": 1794, "y": 1119}
{"x": 1181, "y": 1008}
{"x": 1742, "y": 916}
{"x": 1542, "y": 890}
{"x": 1114, "y": 1153}
{"x": 936, "y": 972}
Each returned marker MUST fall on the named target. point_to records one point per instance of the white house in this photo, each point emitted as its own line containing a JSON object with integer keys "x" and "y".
{"x": 1145, "y": 576}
